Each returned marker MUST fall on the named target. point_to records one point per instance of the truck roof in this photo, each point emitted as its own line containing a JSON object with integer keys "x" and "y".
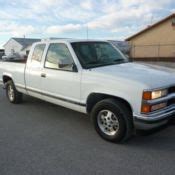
{"x": 69, "y": 40}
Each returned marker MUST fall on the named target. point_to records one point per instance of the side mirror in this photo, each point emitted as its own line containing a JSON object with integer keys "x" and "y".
{"x": 64, "y": 63}
{"x": 67, "y": 65}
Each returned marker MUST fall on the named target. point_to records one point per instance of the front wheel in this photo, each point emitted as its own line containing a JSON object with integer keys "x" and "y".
{"x": 12, "y": 94}
{"x": 112, "y": 120}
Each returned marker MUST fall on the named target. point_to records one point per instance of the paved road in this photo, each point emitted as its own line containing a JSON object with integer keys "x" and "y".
{"x": 38, "y": 138}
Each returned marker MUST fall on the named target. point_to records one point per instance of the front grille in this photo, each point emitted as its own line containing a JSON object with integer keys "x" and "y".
{"x": 171, "y": 102}
{"x": 171, "y": 90}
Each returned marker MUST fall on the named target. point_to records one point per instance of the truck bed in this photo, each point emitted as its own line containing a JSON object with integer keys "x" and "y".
{"x": 14, "y": 70}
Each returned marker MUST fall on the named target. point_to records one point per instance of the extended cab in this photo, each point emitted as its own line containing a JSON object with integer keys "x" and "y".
{"x": 94, "y": 77}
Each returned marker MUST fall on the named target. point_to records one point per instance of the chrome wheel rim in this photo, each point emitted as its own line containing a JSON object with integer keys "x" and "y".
{"x": 108, "y": 122}
{"x": 11, "y": 93}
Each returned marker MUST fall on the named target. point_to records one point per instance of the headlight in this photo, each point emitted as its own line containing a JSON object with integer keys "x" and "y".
{"x": 151, "y": 95}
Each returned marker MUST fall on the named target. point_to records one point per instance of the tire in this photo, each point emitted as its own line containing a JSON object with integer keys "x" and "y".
{"x": 12, "y": 94}
{"x": 112, "y": 120}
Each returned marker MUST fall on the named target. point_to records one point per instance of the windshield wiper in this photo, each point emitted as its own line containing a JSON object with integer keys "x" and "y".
{"x": 97, "y": 63}
{"x": 118, "y": 60}
{"x": 93, "y": 62}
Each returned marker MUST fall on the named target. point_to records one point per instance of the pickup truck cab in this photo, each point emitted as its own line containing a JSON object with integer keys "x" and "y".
{"x": 94, "y": 77}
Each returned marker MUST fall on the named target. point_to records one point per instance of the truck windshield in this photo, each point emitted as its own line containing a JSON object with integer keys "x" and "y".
{"x": 96, "y": 54}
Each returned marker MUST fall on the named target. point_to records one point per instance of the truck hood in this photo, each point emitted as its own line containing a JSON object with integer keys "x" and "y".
{"x": 150, "y": 75}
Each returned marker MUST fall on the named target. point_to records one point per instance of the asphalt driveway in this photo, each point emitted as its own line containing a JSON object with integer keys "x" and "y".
{"x": 38, "y": 138}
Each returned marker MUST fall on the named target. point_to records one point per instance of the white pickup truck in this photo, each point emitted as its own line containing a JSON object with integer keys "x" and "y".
{"x": 94, "y": 77}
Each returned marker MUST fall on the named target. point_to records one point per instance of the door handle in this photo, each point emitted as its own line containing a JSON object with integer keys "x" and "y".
{"x": 43, "y": 75}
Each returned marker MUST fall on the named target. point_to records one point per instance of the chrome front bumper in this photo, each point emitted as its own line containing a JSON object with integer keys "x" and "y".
{"x": 154, "y": 119}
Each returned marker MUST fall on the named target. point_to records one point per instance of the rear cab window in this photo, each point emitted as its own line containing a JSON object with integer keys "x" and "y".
{"x": 38, "y": 52}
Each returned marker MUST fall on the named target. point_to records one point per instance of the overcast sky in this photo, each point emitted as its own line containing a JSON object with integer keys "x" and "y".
{"x": 106, "y": 19}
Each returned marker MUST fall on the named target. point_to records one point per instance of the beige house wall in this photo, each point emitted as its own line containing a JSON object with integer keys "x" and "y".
{"x": 158, "y": 41}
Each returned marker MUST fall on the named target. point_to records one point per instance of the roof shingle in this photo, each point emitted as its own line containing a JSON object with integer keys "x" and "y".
{"x": 26, "y": 41}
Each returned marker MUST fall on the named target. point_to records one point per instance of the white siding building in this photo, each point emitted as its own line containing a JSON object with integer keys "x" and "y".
{"x": 19, "y": 45}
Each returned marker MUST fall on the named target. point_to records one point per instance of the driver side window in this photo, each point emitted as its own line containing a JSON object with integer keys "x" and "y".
{"x": 59, "y": 54}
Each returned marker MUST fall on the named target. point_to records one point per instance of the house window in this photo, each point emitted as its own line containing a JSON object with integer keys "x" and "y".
{"x": 12, "y": 51}
{"x": 27, "y": 52}
{"x": 173, "y": 22}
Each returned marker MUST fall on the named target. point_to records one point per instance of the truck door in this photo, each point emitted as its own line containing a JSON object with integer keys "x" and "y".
{"x": 33, "y": 71}
{"x": 60, "y": 79}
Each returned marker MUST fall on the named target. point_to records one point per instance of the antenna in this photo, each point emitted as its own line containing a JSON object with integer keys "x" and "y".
{"x": 151, "y": 21}
{"x": 152, "y": 17}
{"x": 87, "y": 31}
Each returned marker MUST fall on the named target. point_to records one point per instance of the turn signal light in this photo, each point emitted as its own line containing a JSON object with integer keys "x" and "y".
{"x": 147, "y": 95}
{"x": 145, "y": 108}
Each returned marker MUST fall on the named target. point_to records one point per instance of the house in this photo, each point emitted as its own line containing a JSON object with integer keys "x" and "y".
{"x": 156, "y": 42}
{"x": 19, "y": 45}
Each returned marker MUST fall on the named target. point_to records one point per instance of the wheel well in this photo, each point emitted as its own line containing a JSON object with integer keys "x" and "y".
{"x": 96, "y": 97}
{"x": 6, "y": 79}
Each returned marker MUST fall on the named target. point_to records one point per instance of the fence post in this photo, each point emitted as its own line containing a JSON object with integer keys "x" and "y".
{"x": 158, "y": 52}
{"x": 133, "y": 51}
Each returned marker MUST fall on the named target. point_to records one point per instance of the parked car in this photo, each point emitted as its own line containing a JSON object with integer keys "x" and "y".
{"x": 16, "y": 57}
{"x": 94, "y": 77}
{"x": 1, "y": 53}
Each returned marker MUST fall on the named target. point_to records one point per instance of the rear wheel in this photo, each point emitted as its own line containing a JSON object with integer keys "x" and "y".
{"x": 112, "y": 120}
{"x": 12, "y": 94}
